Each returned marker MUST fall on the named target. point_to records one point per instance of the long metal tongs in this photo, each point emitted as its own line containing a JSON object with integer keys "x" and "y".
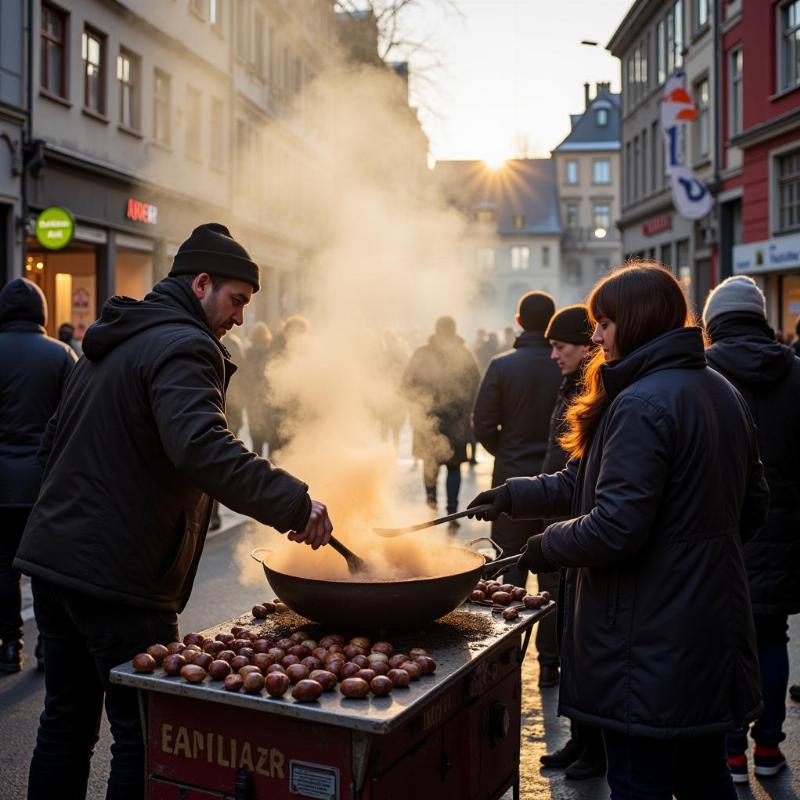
{"x": 391, "y": 532}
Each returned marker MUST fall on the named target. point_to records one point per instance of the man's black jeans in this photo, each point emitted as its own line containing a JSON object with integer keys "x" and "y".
{"x": 83, "y": 638}
{"x": 12, "y": 524}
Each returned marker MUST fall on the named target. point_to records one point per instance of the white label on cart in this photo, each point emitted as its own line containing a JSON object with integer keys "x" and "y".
{"x": 313, "y": 780}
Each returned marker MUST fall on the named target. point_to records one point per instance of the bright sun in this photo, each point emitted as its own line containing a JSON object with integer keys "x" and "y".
{"x": 494, "y": 161}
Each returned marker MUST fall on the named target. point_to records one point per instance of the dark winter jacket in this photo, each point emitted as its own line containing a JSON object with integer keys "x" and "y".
{"x": 659, "y": 638}
{"x": 440, "y": 383}
{"x": 33, "y": 369}
{"x": 768, "y": 376}
{"x": 513, "y": 407}
{"x": 556, "y": 458}
{"x": 138, "y": 446}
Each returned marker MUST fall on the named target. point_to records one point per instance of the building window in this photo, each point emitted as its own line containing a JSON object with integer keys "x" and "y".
{"x": 162, "y": 104}
{"x": 571, "y": 175}
{"x": 194, "y": 122}
{"x": 485, "y": 259}
{"x": 485, "y": 216}
{"x": 54, "y": 51}
{"x": 602, "y": 117}
{"x": 601, "y": 171}
{"x": 637, "y": 153}
{"x": 128, "y": 80}
{"x": 520, "y": 257}
{"x": 700, "y": 15}
{"x": 545, "y": 255}
{"x": 573, "y": 271}
{"x": 788, "y": 172}
{"x": 217, "y": 133}
{"x": 656, "y": 156}
{"x": 519, "y": 221}
{"x": 703, "y": 124}
{"x": 601, "y": 218}
{"x": 572, "y": 215}
{"x": 735, "y": 111}
{"x": 215, "y": 14}
{"x": 643, "y": 170}
{"x": 661, "y": 51}
{"x": 93, "y": 46}
{"x": 666, "y": 255}
{"x": 669, "y": 40}
{"x": 790, "y": 44}
{"x": 679, "y": 33}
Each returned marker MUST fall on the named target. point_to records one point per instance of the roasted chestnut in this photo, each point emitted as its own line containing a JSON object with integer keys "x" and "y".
{"x": 248, "y": 668}
{"x": 299, "y": 650}
{"x": 285, "y": 644}
{"x": 191, "y": 648}
{"x": 275, "y": 668}
{"x": 227, "y": 655}
{"x": 379, "y": 667}
{"x": 381, "y": 685}
{"x": 237, "y": 630}
{"x": 233, "y": 683}
{"x": 501, "y": 598}
{"x": 193, "y": 638}
{"x": 259, "y": 612}
{"x": 312, "y": 663}
{"x": 320, "y": 652}
{"x": 382, "y": 647}
{"x": 336, "y": 648}
{"x": 366, "y": 674}
{"x": 327, "y": 680}
{"x": 281, "y": 608}
{"x": 237, "y": 662}
{"x": 262, "y": 645}
{"x": 276, "y": 653}
{"x": 397, "y": 660}
{"x": 335, "y": 666}
{"x": 276, "y": 684}
{"x": 348, "y": 670}
{"x": 331, "y": 638}
{"x": 351, "y": 650}
{"x": 354, "y": 687}
{"x": 176, "y": 647}
{"x": 297, "y": 672}
{"x": 298, "y": 636}
{"x": 202, "y": 660}
{"x": 173, "y": 664}
{"x": 413, "y": 669}
{"x": 374, "y": 658}
{"x": 193, "y": 674}
{"x": 158, "y": 651}
{"x": 545, "y": 596}
{"x": 417, "y": 651}
{"x": 262, "y": 660}
{"x": 268, "y": 607}
{"x": 533, "y": 601}
{"x": 426, "y": 663}
{"x": 518, "y": 592}
{"x": 219, "y": 669}
{"x": 213, "y": 648}
{"x": 247, "y": 652}
{"x": 287, "y": 661}
{"x": 310, "y": 644}
{"x": 510, "y": 614}
{"x": 362, "y": 661}
{"x": 507, "y": 587}
{"x": 361, "y": 641}
{"x": 477, "y": 595}
{"x": 398, "y": 677}
{"x": 307, "y": 691}
{"x": 225, "y": 638}
{"x": 253, "y": 682}
{"x": 144, "y": 662}
{"x": 238, "y": 644}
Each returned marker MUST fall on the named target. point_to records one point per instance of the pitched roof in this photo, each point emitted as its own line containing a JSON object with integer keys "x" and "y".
{"x": 586, "y": 134}
{"x": 522, "y": 186}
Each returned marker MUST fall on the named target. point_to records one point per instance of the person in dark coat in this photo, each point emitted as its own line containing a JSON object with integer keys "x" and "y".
{"x": 139, "y": 446}
{"x": 257, "y": 398}
{"x": 510, "y": 419}
{"x": 768, "y": 376}
{"x": 664, "y": 488}
{"x": 569, "y": 334}
{"x": 33, "y": 370}
{"x": 439, "y": 383}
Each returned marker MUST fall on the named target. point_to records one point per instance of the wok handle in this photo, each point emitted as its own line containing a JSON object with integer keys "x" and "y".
{"x": 497, "y": 549}
{"x": 492, "y": 568}
{"x": 259, "y": 550}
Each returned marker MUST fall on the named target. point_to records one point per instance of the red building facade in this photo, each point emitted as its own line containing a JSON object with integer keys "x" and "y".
{"x": 759, "y": 197}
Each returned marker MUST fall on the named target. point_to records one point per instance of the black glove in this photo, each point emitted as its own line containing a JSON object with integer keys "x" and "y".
{"x": 498, "y": 498}
{"x": 533, "y": 558}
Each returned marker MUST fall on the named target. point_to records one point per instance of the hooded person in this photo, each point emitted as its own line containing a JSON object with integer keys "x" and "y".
{"x": 33, "y": 371}
{"x": 139, "y": 446}
{"x": 439, "y": 383}
{"x": 767, "y": 374}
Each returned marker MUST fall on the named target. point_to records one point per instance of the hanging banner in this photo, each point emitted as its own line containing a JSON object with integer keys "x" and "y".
{"x": 690, "y": 195}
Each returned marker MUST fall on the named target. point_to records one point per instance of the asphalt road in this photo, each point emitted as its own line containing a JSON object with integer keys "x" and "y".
{"x": 228, "y": 583}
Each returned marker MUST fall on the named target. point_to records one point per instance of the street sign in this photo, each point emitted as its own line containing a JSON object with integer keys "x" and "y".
{"x": 54, "y": 228}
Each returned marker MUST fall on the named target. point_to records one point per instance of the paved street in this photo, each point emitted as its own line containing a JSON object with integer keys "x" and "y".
{"x": 219, "y": 594}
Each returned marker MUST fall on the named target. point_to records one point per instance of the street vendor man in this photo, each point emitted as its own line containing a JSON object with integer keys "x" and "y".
{"x": 132, "y": 458}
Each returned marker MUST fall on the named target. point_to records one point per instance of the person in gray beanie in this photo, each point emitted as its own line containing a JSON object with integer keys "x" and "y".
{"x": 767, "y": 374}
{"x": 139, "y": 448}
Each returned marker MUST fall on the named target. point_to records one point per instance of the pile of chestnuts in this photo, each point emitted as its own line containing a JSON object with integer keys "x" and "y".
{"x": 503, "y": 596}
{"x": 244, "y": 660}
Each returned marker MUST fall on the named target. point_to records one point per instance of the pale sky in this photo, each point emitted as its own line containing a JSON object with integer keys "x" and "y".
{"x": 515, "y": 70}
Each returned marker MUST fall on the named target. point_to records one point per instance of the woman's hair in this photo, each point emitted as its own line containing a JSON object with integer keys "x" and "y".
{"x": 644, "y": 300}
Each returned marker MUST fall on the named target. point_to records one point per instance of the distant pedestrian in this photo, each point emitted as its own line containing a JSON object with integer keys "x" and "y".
{"x": 66, "y": 334}
{"x": 33, "y": 371}
{"x": 768, "y": 376}
{"x": 256, "y": 393}
{"x": 439, "y": 383}
{"x": 135, "y": 452}
{"x": 663, "y": 487}
{"x": 509, "y": 337}
{"x": 488, "y": 350}
{"x": 569, "y": 335}
{"x": 511, "y": 420}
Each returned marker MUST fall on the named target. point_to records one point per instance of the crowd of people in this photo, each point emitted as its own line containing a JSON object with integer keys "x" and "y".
{"x": 644, "y": 470}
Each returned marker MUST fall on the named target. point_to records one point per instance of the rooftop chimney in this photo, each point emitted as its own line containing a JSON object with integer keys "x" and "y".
{"x": 603, "y": 86}
{"x": 586, "y": 95}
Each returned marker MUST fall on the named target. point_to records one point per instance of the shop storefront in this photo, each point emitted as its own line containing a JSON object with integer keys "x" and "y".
{"x": 775, "y": 265}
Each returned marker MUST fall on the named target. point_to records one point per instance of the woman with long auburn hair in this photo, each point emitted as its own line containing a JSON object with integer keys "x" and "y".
{"x": 664, "y": 487}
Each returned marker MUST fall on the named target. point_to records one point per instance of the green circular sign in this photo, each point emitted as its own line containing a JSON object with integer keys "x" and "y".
{"x": 54, "y": 228}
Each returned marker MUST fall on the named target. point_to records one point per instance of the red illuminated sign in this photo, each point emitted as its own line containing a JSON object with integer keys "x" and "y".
{"x": 657, "y": 225}
{"x": 138, "y": 211}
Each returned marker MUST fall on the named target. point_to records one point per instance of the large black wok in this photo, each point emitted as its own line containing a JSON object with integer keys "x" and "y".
{"x": 388, "y": 605}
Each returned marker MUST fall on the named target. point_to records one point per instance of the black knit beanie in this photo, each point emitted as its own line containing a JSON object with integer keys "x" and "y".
{"x": 571, "y": 325}
{"x": 535, "y": 310}
{"x": 212, "y": 249}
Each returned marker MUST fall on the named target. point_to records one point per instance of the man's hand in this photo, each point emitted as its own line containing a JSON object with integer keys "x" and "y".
{"x": 318, "y": 528}
{"x": 498, "y": 498}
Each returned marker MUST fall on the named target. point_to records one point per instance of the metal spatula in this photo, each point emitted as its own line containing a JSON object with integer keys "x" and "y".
{"x": 354, "y": 563}
{"x": 391, "y": 532}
